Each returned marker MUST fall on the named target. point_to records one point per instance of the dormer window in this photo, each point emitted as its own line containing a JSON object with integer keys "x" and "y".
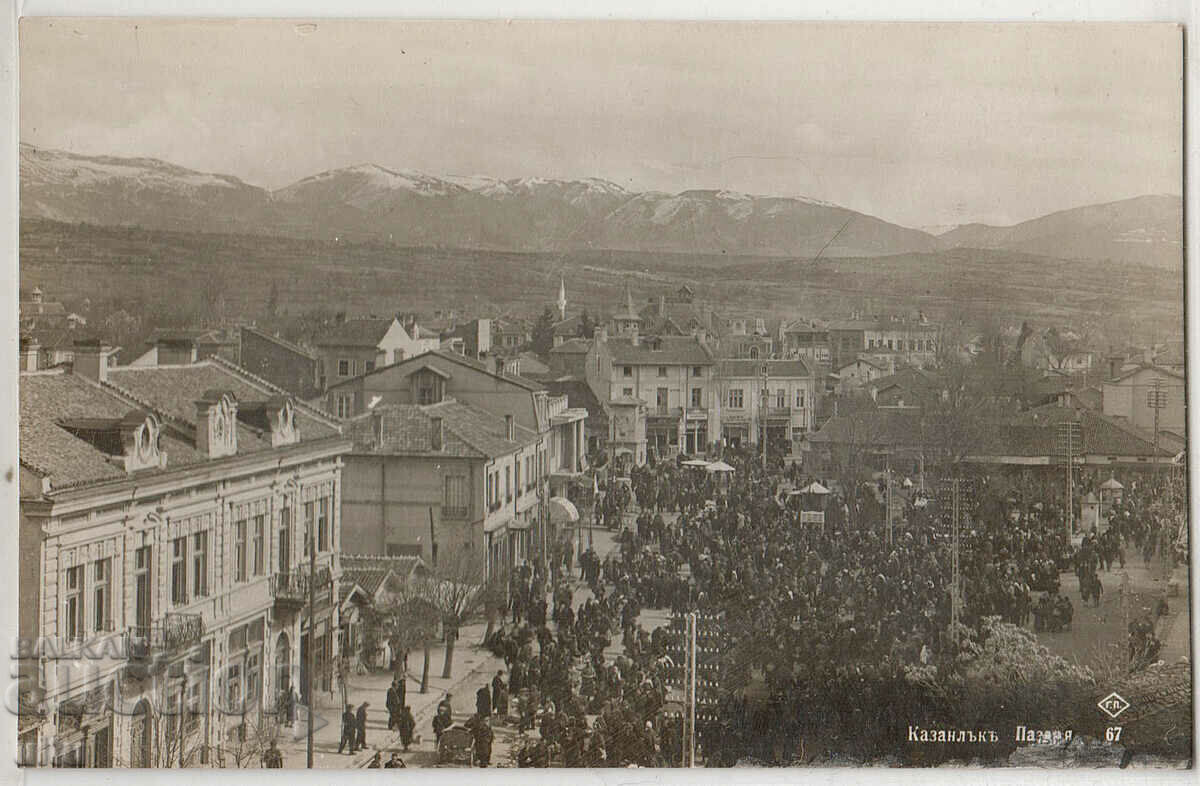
{"x": 132, "y": 442}
{"x": 275, "y": 417}
{"x": 216, "y": 424}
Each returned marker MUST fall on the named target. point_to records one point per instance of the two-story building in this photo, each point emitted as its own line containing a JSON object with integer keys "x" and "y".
{"x": 913, "y": 342}
{"x": 356, "y": 346}
{"x": 1129, "y": 396}
{"x": 778, "y": 395}
{"x": 807, "y": 339}
{"x": 435, "y": 376}
{"x": 437, "y": 480}
{"x": 673, "y": 375}
{"x": 280, "y": 362}
{"x": 166, "y": 520}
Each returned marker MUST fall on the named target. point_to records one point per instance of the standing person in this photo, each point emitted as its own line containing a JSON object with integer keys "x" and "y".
{"x": 406, "y": 724}
{"x": 273, "y": 758}
{"x": 483, "y": 702}
{"x": 481, "y": 733}
{"x": 360, "y": 724}
{"x": 393, "y": 704}
{"x": 499, "y": 696}
{"x": 348, "y": 728}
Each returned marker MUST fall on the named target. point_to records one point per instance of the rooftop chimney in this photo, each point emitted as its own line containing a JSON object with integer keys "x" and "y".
{"x": 91, "y": 359}
{"x": 437, "y": 433}
{"x": 30, "y": 349}
{"x": 509, "y": 432}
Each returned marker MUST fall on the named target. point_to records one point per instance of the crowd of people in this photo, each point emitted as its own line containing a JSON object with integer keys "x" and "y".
{"x": 734, "y": 543}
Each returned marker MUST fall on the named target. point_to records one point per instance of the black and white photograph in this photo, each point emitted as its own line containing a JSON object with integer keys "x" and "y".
{"x": 600, "y": 394}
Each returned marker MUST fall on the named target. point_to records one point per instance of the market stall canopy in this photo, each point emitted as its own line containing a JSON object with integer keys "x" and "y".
{"x": 1112, "y": 484}
{"x": 695, "y": 463}
{"x": 814, "y": 488}
{"x": 563, "y": 510}
{"x": 719, "y": 466}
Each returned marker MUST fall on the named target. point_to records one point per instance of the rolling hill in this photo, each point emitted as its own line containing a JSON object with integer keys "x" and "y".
{"x": 1146, "y": 230}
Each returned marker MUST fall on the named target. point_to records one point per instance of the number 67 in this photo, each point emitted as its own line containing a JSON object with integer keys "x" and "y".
{"x": 1112, "y": 733}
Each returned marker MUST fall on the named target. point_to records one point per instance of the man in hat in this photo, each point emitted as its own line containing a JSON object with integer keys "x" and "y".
{"x": 348, "y": 728}
{"x": 406, "y": 724}
{"x": 393, "y": 704}
{"x": 360, "y": 724}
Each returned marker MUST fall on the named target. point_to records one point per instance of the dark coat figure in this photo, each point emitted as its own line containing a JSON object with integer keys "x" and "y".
{"x": 349, "y": 725}
{"x": 393, "y": 705}
{"x": 273, "y": 757}
{"x": 499, "y": 696}
{"x": 406, "y": 725}
{"x": 360, "y": 724}
{"x": 444, "y": 717}
{"x": 394, "y": 763}
{"x": 481, "y": 733}
{"x": 483, "y": 702}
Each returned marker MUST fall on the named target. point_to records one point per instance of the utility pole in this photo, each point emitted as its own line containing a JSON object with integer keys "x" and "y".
{"x": 762, "y": 411}
{"x": 1068, "y": 442}
{"x": 1156, "y": 399}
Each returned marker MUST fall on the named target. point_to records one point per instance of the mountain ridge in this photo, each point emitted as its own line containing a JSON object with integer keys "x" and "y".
{"x": 367, "y": 201}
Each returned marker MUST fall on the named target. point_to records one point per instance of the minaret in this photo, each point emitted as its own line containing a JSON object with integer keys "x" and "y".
{"x": 562, "y": 298}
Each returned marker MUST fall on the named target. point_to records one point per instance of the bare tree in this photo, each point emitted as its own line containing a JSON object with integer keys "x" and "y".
{"x": 456, "y": 589}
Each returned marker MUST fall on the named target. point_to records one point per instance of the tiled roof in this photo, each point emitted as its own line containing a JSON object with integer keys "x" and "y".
{"x": 467, "y": 431}
{"x": 174, "y": 390}
{"x": 407, "y": 430}
{"x": 568, "y": 326}
{"x": 580, "y": 394}
{"x": 1032, "y": 433}
{"x": 879, "y": 427}
{"x": 1146, "y": 367}
{"x": 354, "y": 333}
{"x": 370, "y": 571}
{"x": 575, "y": 346}
{"x": 52, "y": 451}
{"x": 436, "y": 355}
{"x": 283, "y": 343}
{"x": 676, "y": 350}
{"x": 751, "y": 368}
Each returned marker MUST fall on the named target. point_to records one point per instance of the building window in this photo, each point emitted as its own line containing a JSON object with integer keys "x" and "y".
{"x": 142, "y": 587}
{"x": 870, "y": 343}
{"x": 736, "y": 398}
{"x": 697, "y": 397}
{"x": 200, "y": 564}
{"x": 517, "y": 476}
{"x": 491, "y": 490}
{"x": 889, "y": 343}
{"x": 253, "y": 677}
{"x": 323, "y": 524}
{"x": 102, "y": 595}
{"x": 508, "y": 484}
{"x": 697, "y": 371}
{"x": 661, "y": 398}
{"x": 260, "y": 544}
{"x": 799, "y": 399}
{"x": 73, "y": 604}
{"x": 285, "y": 539}
{"x": 343, "y": 405}
{"x": 662, "y": 371}
{"x": 308, "y": 528}
{"x": 780, "y": 398}
{"x": 627, "y": 391}
{"x": 627, "y": 371}
{"x": 239, "y": 552}
{"x": 455, "y": 503}
{"x": 370, "y": 366}
{"x": 179, "y": 571}
{"x": 343, "y": 368}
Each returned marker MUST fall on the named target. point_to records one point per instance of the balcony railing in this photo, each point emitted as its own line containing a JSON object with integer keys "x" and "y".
{"x": 175, "y": 633}
{"x": 294, "y": 586}
{"x": 779, "y": 412}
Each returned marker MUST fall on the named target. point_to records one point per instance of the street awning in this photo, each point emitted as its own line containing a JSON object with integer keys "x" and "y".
{"x": 695, "y": 463}
{"x": 719, "y": 466}
{"x": 1112, "y": 484}
{"x": 814, "y": 488}
{"x": 562, "y": 510}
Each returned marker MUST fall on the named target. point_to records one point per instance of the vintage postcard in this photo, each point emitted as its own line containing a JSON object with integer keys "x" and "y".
{"x": 601, "y": 394}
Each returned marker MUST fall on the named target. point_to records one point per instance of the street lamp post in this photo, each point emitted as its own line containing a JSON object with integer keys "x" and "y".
{"x": 312, "y": 634}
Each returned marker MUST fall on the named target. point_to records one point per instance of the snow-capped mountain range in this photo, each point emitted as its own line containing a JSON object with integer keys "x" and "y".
{"x": 371, "y": 202}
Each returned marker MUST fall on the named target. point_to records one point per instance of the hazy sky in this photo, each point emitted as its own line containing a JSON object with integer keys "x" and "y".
{"x": 919, "y": 124}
